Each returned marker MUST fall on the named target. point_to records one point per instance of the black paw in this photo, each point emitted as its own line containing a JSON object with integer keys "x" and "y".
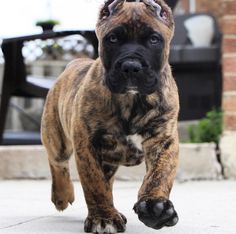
{"x": 96, "y": 224}
{"x": 156, "y": 213}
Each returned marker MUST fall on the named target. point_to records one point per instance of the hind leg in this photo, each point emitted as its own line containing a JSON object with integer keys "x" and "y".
{"x": 59, "y": 152}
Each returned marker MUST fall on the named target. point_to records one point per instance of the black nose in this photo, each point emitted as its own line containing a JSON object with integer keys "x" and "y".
{"x": 131, "y": 66}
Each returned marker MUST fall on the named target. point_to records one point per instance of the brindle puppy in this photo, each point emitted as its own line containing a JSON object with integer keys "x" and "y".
{"x": 95, "y": 106}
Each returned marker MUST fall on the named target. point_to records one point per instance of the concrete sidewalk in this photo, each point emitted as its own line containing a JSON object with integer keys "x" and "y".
{"x": 203, "y": 207}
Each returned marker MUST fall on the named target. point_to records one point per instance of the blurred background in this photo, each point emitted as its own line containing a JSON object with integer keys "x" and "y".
{"x": 19, "y": 17}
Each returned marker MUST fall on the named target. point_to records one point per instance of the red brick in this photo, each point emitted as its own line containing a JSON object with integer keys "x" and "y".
{"x": 213, "y": 6}
{"x": 229, "y": 103}
{"x": 229, "y": 122}
{"x": 229, "y": 26}
{"x": 229, "y": 45}
{"x": 229, "y": 83}
{"x": 229, "y": 7}
{"x": 229, "y": 64}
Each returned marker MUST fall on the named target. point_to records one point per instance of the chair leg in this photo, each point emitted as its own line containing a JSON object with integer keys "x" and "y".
{"x": 5, "y": 97}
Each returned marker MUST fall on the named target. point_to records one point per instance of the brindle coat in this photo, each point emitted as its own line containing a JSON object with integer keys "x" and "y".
{"x": 82, "y": 116}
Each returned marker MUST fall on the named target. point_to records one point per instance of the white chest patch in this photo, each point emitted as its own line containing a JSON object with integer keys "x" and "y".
{"x": 137, "y": 140}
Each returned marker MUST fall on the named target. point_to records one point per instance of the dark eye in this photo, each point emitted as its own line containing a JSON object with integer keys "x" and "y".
{"x": 154, "y": 39}
{"x": 113, "y": 39}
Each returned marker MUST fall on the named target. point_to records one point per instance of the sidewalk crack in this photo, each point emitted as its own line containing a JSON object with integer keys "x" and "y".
{"x": 23, "y": 222}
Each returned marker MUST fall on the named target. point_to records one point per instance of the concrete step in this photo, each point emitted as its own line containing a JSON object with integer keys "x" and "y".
{"x": 197, "y": 161}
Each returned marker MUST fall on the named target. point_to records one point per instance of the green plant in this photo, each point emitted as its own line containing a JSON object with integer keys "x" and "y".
{"x": 49, "y": 21}
{"x": 208, "y": 129}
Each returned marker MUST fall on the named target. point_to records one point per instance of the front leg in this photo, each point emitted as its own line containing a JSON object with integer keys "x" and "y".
{"x": 97, "y": 180}
{"x": 154, "y": 208}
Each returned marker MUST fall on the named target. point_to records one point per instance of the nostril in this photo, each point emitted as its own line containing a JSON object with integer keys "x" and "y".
{"x": 131, "y": 66}
{"x": 125, "y": 69}
{"x": 136, "y": 69}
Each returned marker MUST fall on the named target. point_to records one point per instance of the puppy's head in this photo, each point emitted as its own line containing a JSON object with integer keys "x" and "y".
{"x": 134, "y": 40}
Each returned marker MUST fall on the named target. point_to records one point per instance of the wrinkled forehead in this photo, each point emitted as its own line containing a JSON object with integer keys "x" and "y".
{"x": 135, "y": 17}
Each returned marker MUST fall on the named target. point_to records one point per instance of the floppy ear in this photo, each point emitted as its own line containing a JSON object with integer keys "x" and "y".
{"x": 153, "y": 5}
{"x": 109, "y": 7}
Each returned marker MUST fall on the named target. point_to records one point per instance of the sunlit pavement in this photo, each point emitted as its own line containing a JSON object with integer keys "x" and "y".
{"x": 203, "y": 207}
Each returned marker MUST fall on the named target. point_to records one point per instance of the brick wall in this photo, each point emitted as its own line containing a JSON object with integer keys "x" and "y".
{"x": 229, "y": 63}
{"x": 207, "y": 6}
{"x": 212, "y": 6}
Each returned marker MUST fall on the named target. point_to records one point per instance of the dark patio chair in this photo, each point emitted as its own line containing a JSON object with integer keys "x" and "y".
{"x": 197, "y": 70}
{"x": 17, "y": 83}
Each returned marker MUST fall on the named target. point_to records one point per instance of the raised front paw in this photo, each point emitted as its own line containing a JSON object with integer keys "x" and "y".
{"x": 156, "y": 213}
{"x": 97, "y": 224}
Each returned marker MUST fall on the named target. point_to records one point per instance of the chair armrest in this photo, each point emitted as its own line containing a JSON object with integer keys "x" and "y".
{"x": 15, "y": 68}
{"x": 18, "y": 41}
{"x": 41, "y": 82}
{"x": 186, "y": 54}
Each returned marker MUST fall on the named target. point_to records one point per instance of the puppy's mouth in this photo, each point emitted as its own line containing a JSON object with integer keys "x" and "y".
{"x": 131, "y": 75}
{"x": 117, "y": 84}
